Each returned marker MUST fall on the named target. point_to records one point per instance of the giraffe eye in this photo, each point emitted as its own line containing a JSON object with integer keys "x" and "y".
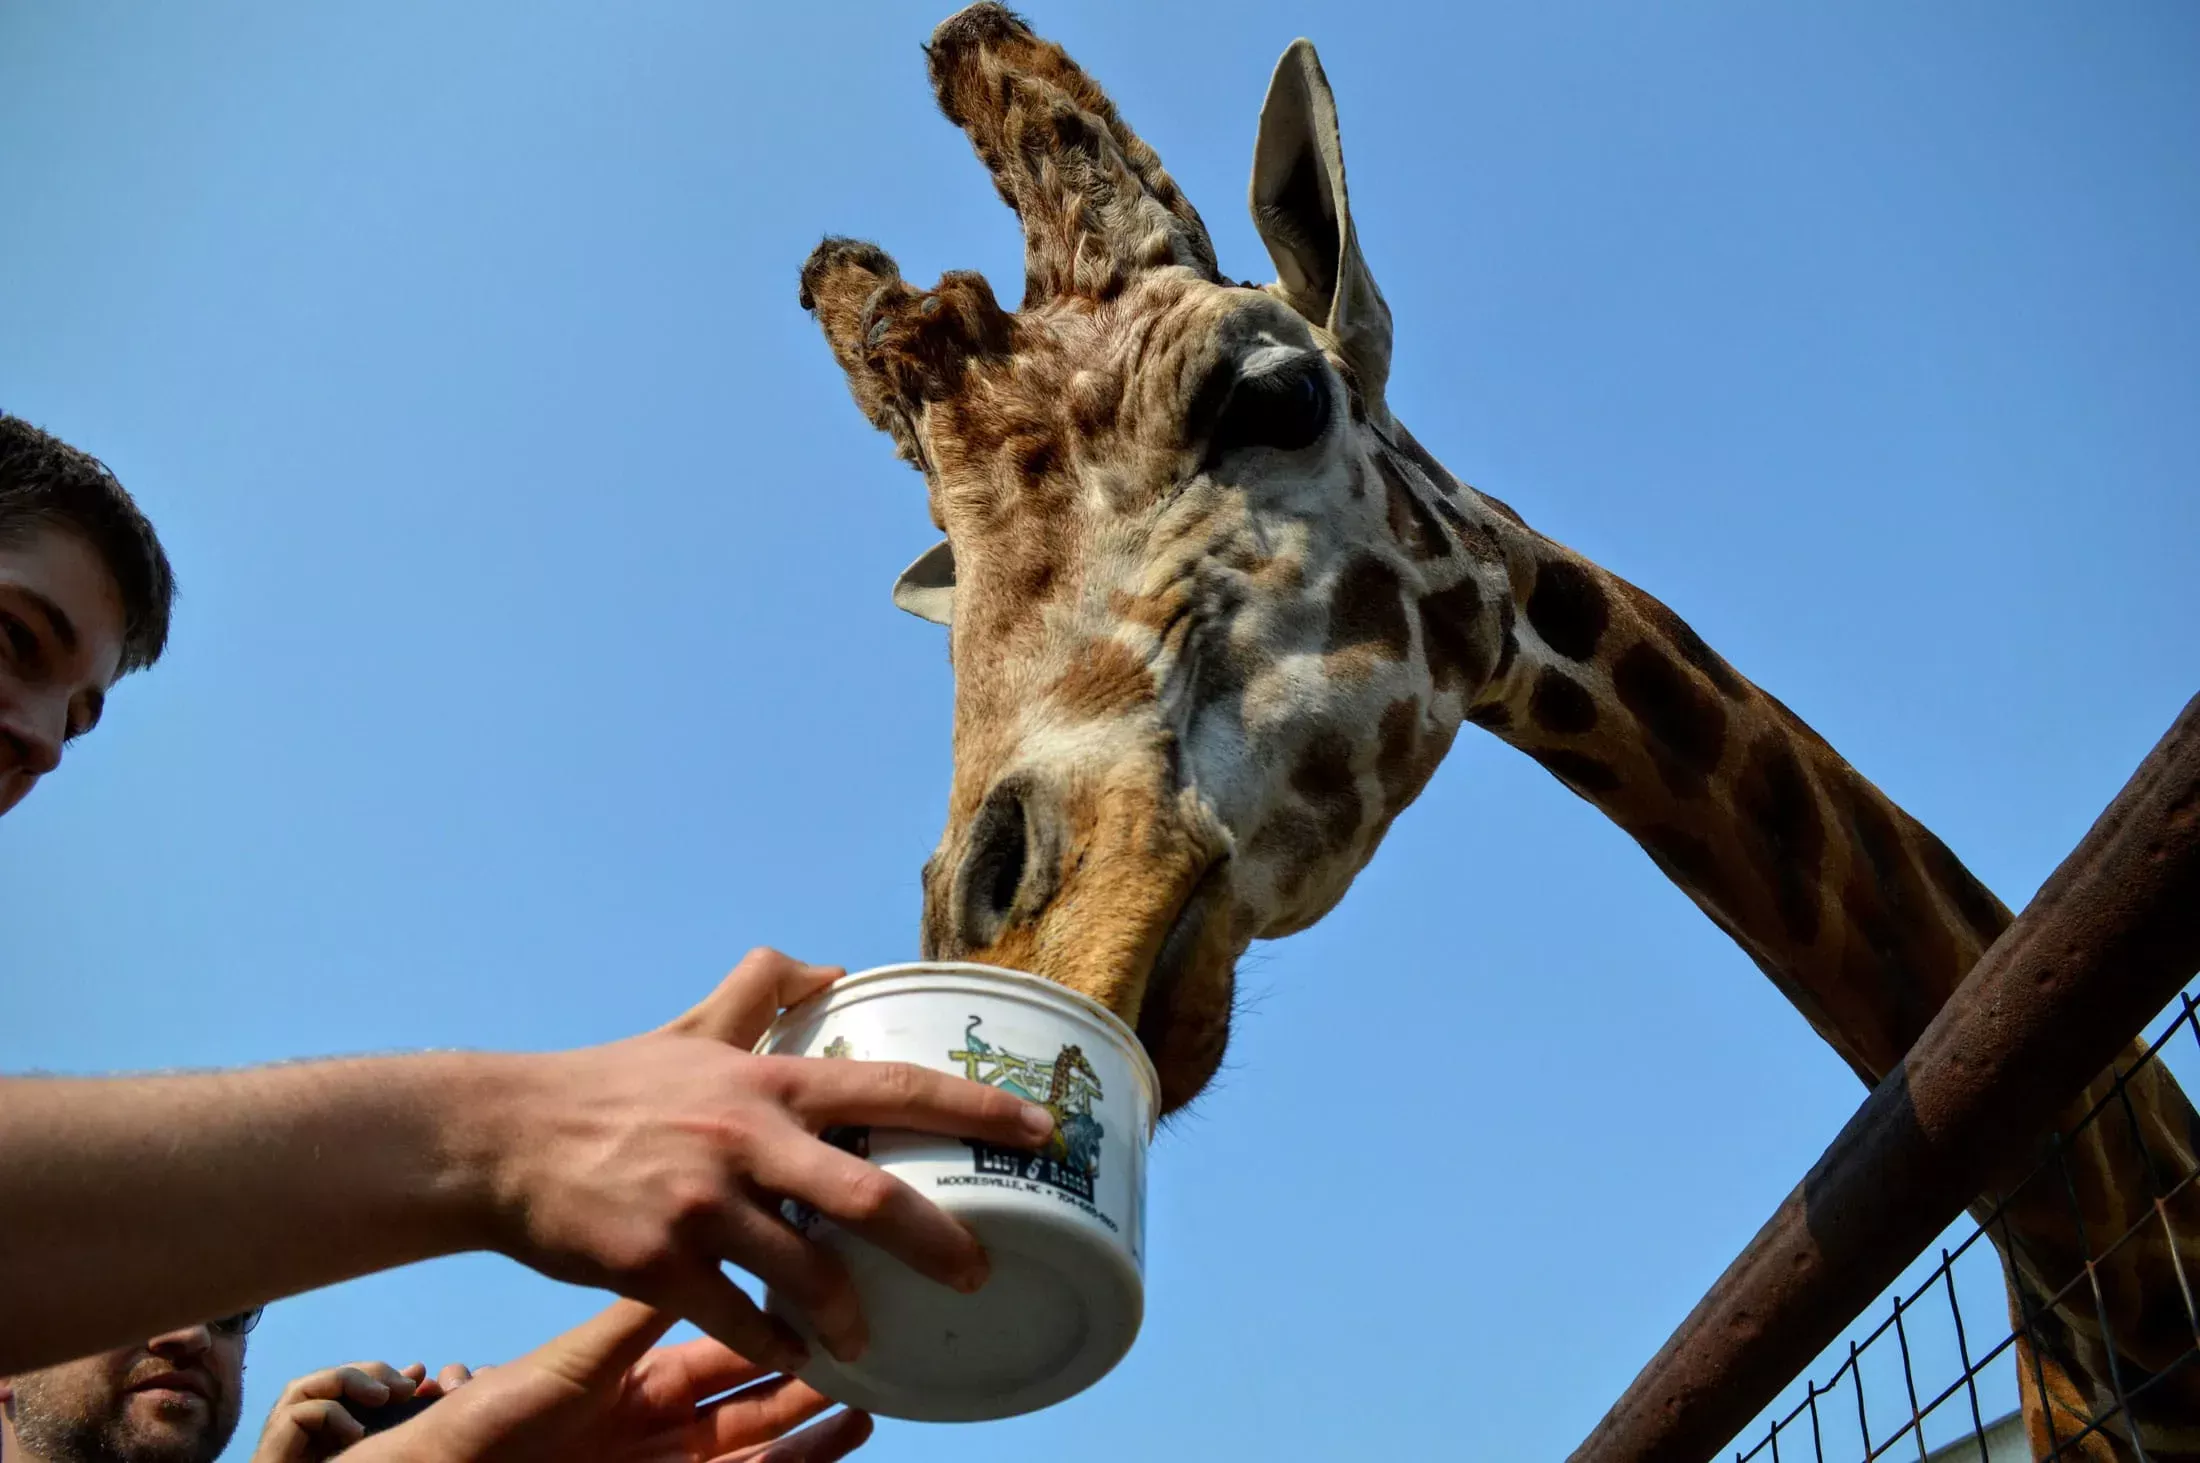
{"x": 1285, "y": 410}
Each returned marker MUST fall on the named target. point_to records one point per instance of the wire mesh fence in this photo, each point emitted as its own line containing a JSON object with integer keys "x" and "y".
{"x": 1930, "y": 1372}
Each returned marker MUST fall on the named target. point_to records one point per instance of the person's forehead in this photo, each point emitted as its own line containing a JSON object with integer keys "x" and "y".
{"x": 60, "y": 568}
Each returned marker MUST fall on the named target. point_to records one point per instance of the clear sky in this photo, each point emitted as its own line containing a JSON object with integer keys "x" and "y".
{"x": 535, "y": 656}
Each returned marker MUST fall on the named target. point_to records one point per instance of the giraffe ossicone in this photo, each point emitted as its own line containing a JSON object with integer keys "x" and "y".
{"x": 1215, "y": 615}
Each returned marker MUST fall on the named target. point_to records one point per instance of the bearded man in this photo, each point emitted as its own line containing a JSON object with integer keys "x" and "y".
{"x": 173, "y": 1399}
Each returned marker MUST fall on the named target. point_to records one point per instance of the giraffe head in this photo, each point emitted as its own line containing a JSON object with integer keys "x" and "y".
{"x": 1189, "y": 697}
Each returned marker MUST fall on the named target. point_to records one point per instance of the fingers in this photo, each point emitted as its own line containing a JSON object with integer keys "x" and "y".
{"x": 452, "y": 1377}
{"x": 326, "y": 1421}
{"x": 901, "y": 1095}
{"x": 836, "y": 1437}
{"x": 760, "y": 1242}
{"x": 672, "y": 1377}
{"x": 369, "y": 1383}
{"x": 746, "y": 1001}
{"x": 868, "y": 1201}
{"x": 722, "y": 1311}
{"x": 757, "y": 1415}
{"x": 364, "y": 1379}
{"x": 606, "y": 1344}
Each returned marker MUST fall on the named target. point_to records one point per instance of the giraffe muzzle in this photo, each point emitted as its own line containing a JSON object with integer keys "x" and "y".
{"x": 1117, "y": 886}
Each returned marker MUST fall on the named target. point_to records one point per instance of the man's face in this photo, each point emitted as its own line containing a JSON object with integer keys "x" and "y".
{"x": 61, "y": 624}
{"x": 172, "y": 1400}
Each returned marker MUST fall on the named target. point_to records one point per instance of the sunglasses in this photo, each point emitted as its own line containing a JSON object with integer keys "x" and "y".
{"x": 240, "y": 1324}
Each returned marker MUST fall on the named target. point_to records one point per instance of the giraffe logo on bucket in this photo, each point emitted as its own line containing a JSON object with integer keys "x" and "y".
{"x": 1066, "y": 1086}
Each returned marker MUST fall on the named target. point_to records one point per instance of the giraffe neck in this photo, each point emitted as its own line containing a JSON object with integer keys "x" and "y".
{"x": 1856, "y": 911}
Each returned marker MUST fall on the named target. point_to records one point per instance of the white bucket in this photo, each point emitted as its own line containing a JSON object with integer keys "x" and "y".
{"x": 1064, "y": 1229}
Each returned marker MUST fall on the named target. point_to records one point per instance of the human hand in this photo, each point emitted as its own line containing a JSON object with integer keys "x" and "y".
{"x": 640, "y": 1166}
{"x": 600, "y": 1394}
{"x": 313, "y": 1418}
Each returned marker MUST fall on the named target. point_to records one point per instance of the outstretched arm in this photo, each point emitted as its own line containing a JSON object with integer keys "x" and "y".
{"x": 135, "y": 1204}
{"x": 130, "y": 1205}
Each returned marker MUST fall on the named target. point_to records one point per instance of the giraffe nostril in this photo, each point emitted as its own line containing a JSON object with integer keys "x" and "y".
{"x": 998, "y": 867}
{"x": 999, "y": 847}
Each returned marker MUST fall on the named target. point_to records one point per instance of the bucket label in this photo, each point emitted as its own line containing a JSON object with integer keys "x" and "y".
{"x": 1066, "y": 1087}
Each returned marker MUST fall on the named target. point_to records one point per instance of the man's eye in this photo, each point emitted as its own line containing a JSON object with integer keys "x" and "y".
{"x": 22, "y": 644}
{"x": 1286, "y": 411}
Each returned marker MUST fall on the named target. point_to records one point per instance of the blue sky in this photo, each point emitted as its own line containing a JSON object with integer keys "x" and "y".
{"x": 535, "y": 657}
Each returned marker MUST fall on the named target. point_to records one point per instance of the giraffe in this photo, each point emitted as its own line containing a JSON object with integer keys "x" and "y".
{"x": 1215, "y": 616}
{"x": 1066, "y": 1065}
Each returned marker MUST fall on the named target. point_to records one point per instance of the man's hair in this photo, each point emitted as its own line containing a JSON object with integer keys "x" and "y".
{"x": 47, "y": 484}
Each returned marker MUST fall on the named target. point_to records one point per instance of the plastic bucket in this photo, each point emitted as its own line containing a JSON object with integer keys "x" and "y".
{"x": 1064, "y": 1228}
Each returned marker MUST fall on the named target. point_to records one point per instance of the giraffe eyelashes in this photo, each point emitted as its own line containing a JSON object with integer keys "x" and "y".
{"x": 1285, "y": 410}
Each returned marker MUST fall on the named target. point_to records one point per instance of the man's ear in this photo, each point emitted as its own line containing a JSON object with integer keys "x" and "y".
{"x": 926, "y": 588}
{"x": 1300, "y": 208}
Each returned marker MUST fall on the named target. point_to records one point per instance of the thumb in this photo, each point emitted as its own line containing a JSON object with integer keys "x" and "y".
{"x": 757, "y": 990}
{"x": 603, "y": 1347}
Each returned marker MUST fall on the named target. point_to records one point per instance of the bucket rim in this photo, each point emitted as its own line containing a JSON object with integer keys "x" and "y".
{"x": 1024, "y": 980}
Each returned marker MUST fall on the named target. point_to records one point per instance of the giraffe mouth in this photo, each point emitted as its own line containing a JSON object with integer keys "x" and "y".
{"x": 1179, "y": 1039}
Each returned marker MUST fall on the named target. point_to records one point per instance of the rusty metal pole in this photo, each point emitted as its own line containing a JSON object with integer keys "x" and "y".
{"x": 2109, "y": 939}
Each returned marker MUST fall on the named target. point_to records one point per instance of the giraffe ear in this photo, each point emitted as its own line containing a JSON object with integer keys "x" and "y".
{"x": 926, "y": 588}
{"x": 1300, "y": 209}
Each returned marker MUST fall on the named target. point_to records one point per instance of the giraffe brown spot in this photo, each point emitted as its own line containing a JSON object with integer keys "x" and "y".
{"x": 970, "y": 431}
{"x": 1683, "y": 857}
{"x": 1412, "y": 524}
{"x": 1685, "y": 728}
{"x": 1782, "y": 831}
{"x": 1290, "y": 842}
{"x": 1496, "y": 716}
{"x": 1877, "y": 837}
{"x": 1896, "y": 931}
{"x": 1568, "y": 609}
{"x": 1035, "y": 456}
{"x": 1451, "y": 636}
{"x": 1368, "y": 608}
{"x": 1584, "y": 774}
{"x": 1408, "y": 752}
{"x": 1323, "y": 776}
{"x": 1687, "y": 644}
{"x": 1508, "y": 644}
{"x": 1559, "y": 704}
{"x": 1472, "y": 536}
{"x": 1104, "y": 681}
{"x": 1425, "y": 460}
{"x": 1160, "y": 612}
{"x": 1034, "y": 580}
{"x": 1441, "y": 476}
{"x": 1973, "y": 900}
{"x": 1884, "y": 1011}
{"x": 1094, "y": 400}
{"x": 1397, "y": 739}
